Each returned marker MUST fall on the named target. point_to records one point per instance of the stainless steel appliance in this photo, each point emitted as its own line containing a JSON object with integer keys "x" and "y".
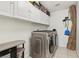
{"x": 43, "y": 43}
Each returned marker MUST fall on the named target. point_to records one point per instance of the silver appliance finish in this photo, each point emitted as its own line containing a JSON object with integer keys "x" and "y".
{"x": 43, "y": 44}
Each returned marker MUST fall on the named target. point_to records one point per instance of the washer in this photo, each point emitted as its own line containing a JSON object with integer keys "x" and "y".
{"x": 43, "y": 43}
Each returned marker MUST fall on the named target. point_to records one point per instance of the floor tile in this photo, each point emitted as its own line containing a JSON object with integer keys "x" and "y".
{"x": 65, "y": 53}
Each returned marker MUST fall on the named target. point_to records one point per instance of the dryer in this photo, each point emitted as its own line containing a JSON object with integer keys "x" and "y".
{"x": 43, "y": 43}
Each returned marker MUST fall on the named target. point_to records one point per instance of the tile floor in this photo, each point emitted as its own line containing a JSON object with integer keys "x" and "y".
{"x": 65, "y": 53}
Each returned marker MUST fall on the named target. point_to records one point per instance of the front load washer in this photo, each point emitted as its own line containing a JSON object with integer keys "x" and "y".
{"x": 43, "y": 43}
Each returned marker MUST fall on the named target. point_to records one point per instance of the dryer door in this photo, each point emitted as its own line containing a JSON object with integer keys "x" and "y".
{"x": 51, "y": 44}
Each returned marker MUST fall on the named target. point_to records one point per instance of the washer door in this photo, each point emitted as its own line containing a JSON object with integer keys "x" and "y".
{"x": 51, "y": 44}
{"x": 37, "y": 45}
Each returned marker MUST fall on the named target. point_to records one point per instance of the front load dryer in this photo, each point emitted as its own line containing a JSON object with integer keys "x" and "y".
{"x": 43, "y": 43}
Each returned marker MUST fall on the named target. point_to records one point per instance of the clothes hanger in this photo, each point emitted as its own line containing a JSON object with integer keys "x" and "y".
{"x": 66, "y": 20}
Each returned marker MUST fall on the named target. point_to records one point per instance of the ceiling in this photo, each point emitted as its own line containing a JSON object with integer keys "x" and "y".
{"x": 57, "y": 5}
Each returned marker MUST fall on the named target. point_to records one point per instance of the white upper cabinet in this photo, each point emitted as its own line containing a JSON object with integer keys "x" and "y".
{"x": 23, "y": 10}
{"x": 6, "y": 8}
{"x": 35, "y": 14}
{"x": 44, "y": 18}
{"x": 27, "y": 11}
{"x": 39, "y": 16}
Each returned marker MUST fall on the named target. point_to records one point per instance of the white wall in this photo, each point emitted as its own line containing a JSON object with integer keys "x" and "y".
{"x": 77, "y": 39}
{"x": 57, "y": 23}
{"x": 14, "y": 29}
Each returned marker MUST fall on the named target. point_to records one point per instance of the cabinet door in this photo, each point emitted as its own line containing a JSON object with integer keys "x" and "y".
{"x": 44, "y": 18}
{"x": 35, "y": 14}
{"x": 5, "y": 7}
{"x": 22, "y": 9}
{"x": 39, "y": 16}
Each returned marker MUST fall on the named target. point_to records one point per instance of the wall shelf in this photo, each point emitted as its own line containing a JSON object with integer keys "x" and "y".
{"x": 22, "y": 18}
